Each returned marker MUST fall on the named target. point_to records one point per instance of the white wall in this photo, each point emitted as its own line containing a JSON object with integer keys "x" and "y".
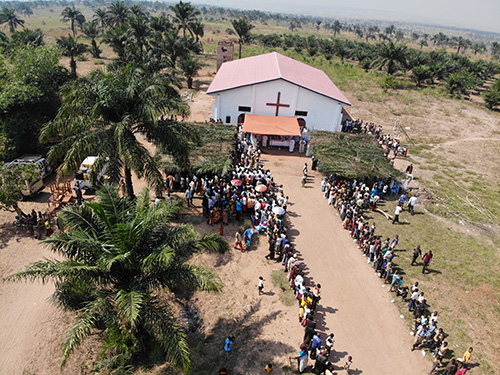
{"x": 323, "y": 113}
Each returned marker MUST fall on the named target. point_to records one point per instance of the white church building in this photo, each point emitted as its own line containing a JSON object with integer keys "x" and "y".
{"x": 277, "y": 85}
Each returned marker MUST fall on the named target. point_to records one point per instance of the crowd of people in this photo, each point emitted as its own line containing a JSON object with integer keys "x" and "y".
{"x": 37, "y": 224}
{"x": 249, "y": 192}
{"x": 352, "y": 199}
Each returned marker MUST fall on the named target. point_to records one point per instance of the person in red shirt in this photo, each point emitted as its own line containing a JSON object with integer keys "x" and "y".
{"x": 462, "y": 370}
{"x": 427, "y": 259}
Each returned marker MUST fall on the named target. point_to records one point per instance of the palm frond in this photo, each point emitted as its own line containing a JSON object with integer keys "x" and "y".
{"x": 57, "y": 270}
{"x": 213, "y": 243}
{"x": 161, "y": 323}
{"x": 85, "y": 321}
{"x": 78, "y": 245}
{"x": 113, "y": 207}
{"x": 200, "y": 278}
{"x": 130, "y": 305}
{"x": 160, "y": 258}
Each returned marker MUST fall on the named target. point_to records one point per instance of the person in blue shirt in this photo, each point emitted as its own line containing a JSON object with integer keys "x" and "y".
{"x": 229, "y": 344}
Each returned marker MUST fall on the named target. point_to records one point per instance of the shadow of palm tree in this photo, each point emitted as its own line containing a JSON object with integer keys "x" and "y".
{"x": 250, "y": 353}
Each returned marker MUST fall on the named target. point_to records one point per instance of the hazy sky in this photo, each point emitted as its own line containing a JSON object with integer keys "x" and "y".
{"x": 475, "y": 14}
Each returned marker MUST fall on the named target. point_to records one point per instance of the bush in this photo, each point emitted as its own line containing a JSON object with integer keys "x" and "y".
{"x": 492, "y": 96}
{"x": 389, "y": 83}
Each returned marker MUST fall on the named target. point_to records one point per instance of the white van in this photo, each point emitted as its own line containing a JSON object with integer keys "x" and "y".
{"x": 32, "y": 187}
{"x": 83, "y": 176}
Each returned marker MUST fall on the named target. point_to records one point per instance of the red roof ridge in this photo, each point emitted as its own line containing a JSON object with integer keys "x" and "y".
{"x": 249, "y": 71}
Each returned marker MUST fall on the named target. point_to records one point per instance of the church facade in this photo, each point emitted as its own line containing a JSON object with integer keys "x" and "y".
{"x": 276, "y": 85}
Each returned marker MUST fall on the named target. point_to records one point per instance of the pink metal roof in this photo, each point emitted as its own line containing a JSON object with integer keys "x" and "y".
{"x": 270, "y": 67}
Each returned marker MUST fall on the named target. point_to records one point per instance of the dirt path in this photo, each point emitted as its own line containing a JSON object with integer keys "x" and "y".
{"x": 359, "y": 311}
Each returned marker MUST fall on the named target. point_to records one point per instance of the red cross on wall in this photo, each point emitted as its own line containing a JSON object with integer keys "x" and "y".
{"x": 278, "y": 104}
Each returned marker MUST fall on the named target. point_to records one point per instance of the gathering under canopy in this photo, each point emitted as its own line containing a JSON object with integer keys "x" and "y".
{"x": 271, "y": 125}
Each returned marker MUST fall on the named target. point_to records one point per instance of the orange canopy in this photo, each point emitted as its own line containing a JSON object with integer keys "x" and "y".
{"x": 271, "y": 125}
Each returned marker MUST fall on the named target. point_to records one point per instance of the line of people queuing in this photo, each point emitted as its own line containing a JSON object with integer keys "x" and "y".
{"x": 351, "y": 198}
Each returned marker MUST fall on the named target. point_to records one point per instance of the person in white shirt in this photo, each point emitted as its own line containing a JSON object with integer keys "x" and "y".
{"x": 411, "y": 204}
{"x": 396, "y": 214}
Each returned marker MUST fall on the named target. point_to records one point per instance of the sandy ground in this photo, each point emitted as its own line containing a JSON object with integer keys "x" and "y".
{"x": 366, "y": 324}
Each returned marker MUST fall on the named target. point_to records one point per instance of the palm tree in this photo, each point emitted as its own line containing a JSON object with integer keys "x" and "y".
{"x": 93, "y": 31}
{"x": 392, "y": 56}
{"x": 100, "y": 16}
{"x": 242, "y": 28}
{"x": 198, "y": 29}
{"x": 9, "y": 17}
{"x": 73, "y": 15}
{"x": 336, "y": 28}
{"x": 185, "y": 17}
{"x": 317, "y": 25}
{"x": 137, "y": 11}
{"x": 190, "y": 67}
{"x": 103, "y": 113}
{"x": 389, "y": 30}
{"x": 119, "y": 256}
{"x": 28, "y": 37}
{"x": 117, "y": 38}
{"x": 478, "y": 47}
{"x": 140, "y": 31}
{"x": 462, "y": 43}
{"x": 72, "y": 49}
{"x": 117, "y": 14}
{"x": 495, "y": 49}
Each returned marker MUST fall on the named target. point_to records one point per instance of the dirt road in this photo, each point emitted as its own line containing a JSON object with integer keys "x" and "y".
{"x": 357, "y": 309}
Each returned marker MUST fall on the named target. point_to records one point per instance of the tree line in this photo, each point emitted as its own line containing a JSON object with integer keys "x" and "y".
{"x": 459, "y": 73}
{"x": 165, "y": 46}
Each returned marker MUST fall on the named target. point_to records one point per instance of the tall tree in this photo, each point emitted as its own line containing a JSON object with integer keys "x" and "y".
{"x": 71, "y": 48}
{"x": 392, "y": 56}
{"x": 119, "y": 256}
{"x": 103, "y": 113}
{"x": 117, "y": 14}
{"x": 462, "y": 44}
{"x": 9, "y": 17}
{"x": 29, "y": 96}
{"x": 139, "y": 30}
{"x": 190, "y": 67}
{"x": 495, "y": 49}
{"x": 389, "y": 30}
{"x": 317, "y": 25}
{"x": 93, "y": 31}
{"x": 100, "y": 16}
{"x": 13, "y": 181}
{"x": 242, "y": 28}
{"x": 336, "y": 28}
{"x": 185, "y": 16}
{"x": 74, "y": 16}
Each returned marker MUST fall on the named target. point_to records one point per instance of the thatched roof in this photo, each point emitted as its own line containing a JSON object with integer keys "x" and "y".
{"x": 212, "y": 154}
{"x": 351, "y": 156}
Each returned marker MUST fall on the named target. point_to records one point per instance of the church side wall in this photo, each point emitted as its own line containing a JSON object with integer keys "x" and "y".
{"x": 322, "y": 113}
